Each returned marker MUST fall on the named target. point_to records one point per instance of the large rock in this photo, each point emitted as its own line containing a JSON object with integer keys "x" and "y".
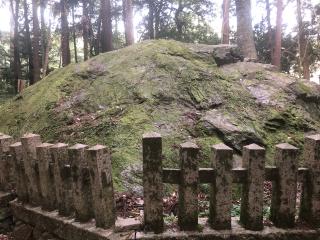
{"x": 172, "y": 88}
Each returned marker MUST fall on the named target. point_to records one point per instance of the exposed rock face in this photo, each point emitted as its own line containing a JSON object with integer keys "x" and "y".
{"x": 205, "y": 94}
{"x": 223, "y": 54}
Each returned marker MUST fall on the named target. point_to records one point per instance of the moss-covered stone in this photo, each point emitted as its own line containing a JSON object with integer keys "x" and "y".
{"x": 167, "y": 87}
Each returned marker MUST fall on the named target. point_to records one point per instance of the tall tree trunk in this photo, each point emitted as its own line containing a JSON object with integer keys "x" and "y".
{"x": 151, "y": 32}
{"x": 270, "y": 41}
{"x": 46, "y": 52}
{"x": 177, "y": 19}
{"x": 85, "y": 29}
{"x": 244, "y": 29}
{"x": 128, "y": 21}
{"x": 36, "y": 42}
{"x": 276, "y": 60}
{"x": 225, "y": 22}
{"x": 15, "y": 41}
{"x": 44, "y": 37}
{"x": 28, "y": 40}
{"x": 74, "y": 35}
{"x": 106, "y": 26}
{"x": 65, "y": 48}
{"x": 304, "y": 61}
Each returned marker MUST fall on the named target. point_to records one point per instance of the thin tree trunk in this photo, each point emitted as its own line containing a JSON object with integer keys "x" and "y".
{"x": 225, "y": 22}
{"x": 74, "y": 36}
{"x": 47, "y": 50}
{"x": 128, "y": 21}
{"x": 276, "y": 60}
{"x": 270, "y": 45}
{"x": 106, "y": 26}
{"x": 244, "y": 29}
{"x": 178, "y": 22}
{"x": 36, "y": 42}
{"x": 15, "y": 41}
{"x": 304, "y": 61}
{"x": 85, "y": 29}
{"x": 44, "y": 38}
{"x": 151, "y": 20}
{"x": 65, "y": 47}
{"x": 28, "y": 41}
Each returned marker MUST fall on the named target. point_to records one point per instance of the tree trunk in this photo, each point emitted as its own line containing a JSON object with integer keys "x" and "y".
{"x": 36, "y": 42}
{"x": 151, "y": 20}
{"x": 244, "y": 29}
{"x": 65, "y": 47}
{"x": 85, "y": 29}
{"x": 270, "y": 42}
{"x": 46, "y": 52}
{"x": 28, "y": 41}
{"x": 178, "y": 22}
{"x": 304, "y": 61}
{"x": 44, "y": 38}
{"x": 74, "y": 36}
{"x": 106, "y": 26}
{"x": 225, "y": 22}
{"x": 276, "y": 60}
{"x": 15, "y": 40}
{"x": 128, "y": 21}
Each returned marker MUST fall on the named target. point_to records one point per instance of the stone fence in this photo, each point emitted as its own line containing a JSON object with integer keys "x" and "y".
{"x": 77, "y": 182}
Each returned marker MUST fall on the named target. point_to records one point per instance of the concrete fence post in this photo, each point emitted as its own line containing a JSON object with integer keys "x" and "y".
{"x": 47, "y": 184}
{"x": 29, "y": 143}
{"x": 221, "y": 192}
{"x": 20, "y": 175}
{"x": 310, "y": 199}
{"x": 152, "y": 182}
{"x": 6, "y": 166}
{"x": 99, "y": 159}
{"x": 82, "y": 194}
{"x": 284, "y": 190}
{"x": 189, "y": 187}
{"x": 62, "y": 178}
{"x": 252, "y": 192}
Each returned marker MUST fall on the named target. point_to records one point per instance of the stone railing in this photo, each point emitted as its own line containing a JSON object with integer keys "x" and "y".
{"x": 76, "y": 182}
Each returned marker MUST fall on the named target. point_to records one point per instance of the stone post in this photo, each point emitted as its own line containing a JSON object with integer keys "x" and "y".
{"x": 47, "y": 184}
{"x": 221, "y": 193}
{"x": 189, "y": 187}
{"x": 152, "y": 182}
{"x": 82, "y": 194}
{"x": 284, "y": 191}
{"x": 20, "y": 175}
{"x": 310, "y": 199}
{"x": 99, "y": 159}
{"x": 62, "y": 178}
{"x": 252, "y": 192}
{"x": 29, "y": 143}
{"x": 6, "y": 167}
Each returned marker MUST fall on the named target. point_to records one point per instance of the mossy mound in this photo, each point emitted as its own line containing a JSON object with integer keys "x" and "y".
{"x": 167, "y": 87}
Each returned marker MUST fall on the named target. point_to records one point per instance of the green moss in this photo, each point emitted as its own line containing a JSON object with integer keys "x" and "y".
{"x": 114, "y": 98}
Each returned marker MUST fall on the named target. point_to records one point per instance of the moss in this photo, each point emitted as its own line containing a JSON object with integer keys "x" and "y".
{"x": 114, "y": 98}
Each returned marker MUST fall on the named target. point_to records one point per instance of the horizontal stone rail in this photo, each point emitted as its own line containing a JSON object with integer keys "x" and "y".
{"x": 71, "y": 187}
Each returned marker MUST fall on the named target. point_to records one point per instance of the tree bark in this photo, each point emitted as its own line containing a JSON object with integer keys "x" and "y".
{"x": 85, "y": 29}
{"x": 46, "y": 52}
{"x": 128, "y": 21}
{"x": 304, "y": 61}
{"x": 36, "y": 42}
{"x": 177, "y": 19}
{"x": 45, "y": 37}
{"x": 16, "y": 53}
{"x": 65, "y": 47}
{"x": 244, "y": 29}
{"x": 270, "y": 45}
{"x": 106, "y": 26}
{"x": 225, "y": 22}
{"x": 28, "y": 41}
{"x": 151, "y": 20}
{"x": 276, "y": 60}
{"x": 74, "y": 36}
